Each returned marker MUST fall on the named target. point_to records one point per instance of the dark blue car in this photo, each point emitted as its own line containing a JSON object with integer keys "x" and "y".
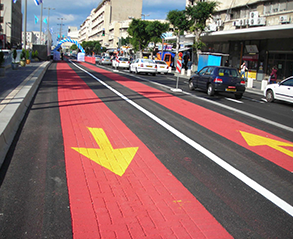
{"x": 218, "y": 79}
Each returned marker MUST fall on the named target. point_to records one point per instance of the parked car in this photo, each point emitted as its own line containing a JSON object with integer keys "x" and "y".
{"x": 122, "y": 62}
{"x": 162, "y": 67}
{"x": 280, "y": 91}
{"x": 105, "y": 60}
{"x": 142, "y": 65}
{"x": 97, "y": 58}
{"x": 218, "y": 79}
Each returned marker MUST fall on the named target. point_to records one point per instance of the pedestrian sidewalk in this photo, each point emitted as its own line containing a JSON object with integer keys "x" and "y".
{"x": 18, "y": 87}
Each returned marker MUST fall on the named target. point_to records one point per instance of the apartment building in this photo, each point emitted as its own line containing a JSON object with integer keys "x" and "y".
{"x": 33, "y": 38}
{"x": 109, "y": 22}
{"x": 11, "y": 24}
{"x": 256, "y": 31}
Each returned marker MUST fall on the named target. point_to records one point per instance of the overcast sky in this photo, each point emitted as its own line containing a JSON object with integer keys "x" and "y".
{"x": 76, "y": 11}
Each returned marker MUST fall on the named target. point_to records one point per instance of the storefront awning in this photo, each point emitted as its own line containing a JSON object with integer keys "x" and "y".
{"x": 256, "y": 33}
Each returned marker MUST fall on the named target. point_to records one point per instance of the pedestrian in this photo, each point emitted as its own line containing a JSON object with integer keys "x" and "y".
{"x": 186, "y": 59}
{"x": 273, "y": 75}
{"x": 226, "y": 63}
{"x": 243, "y": 69}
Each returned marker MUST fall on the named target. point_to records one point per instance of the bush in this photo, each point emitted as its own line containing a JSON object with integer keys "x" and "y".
{"x": 14, "y": 54}
{"x": 23, "y": 54}
{"x": 27, "y": 54}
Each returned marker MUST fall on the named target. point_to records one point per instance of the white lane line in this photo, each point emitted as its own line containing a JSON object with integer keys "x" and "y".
{"x": 238, "y": 174}
{"x": 236, "y": 101}
{"x": 259, "y": 118}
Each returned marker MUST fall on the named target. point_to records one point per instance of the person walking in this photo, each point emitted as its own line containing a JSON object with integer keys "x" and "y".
{"x": 243, "y": 69}
{"x": 273, "y": 75}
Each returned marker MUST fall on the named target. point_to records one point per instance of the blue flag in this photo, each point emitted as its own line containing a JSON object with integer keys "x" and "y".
{"x": 37, "y": 2}
{"x": 36, "y": 19}
{"x": 45, "y": 21}
{"x": 14, "y": 1}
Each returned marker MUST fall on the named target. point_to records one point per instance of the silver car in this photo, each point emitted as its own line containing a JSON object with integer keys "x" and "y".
{"x": 105, "y": 60}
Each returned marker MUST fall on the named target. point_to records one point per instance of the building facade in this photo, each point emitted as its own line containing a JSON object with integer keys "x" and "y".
{"x": 33, "y": 38}
{"x": 11, "y": 24}
{"x": 109, "y": 22}
{"x": 256, "y": 31}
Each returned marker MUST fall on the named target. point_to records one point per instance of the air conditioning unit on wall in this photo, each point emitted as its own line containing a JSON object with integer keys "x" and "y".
{"x": 253, "y": 15}
{"x": 284, "y": 19}
{"x": 260, "y": 21}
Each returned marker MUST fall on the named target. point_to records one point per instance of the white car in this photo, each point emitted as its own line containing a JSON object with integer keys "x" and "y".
{"x": 162, "y": 67}
{"x": 142, "y": 65}
{"x": 105, "y": 60}
{"x": 122, "y": 62}
{"x": 280, "y": 91}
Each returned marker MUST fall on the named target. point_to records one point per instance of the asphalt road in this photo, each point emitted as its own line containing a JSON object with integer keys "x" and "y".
{"x": 246, "y": 187}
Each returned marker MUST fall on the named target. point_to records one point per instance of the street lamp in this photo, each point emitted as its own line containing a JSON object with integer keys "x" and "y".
{"x": 49, "y": 14}
{"x": 145, "y": 15}
{"x": 61, "y": 24}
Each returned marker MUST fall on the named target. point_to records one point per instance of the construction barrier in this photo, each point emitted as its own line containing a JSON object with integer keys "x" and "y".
{"x": 178, "y": 66}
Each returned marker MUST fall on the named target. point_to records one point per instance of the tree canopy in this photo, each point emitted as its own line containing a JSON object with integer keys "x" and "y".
{"x": 198, "y": 15}
{"x": 180, "y": 22}
{"x": 143, "y": 32}
{"x": 92, "y": 46}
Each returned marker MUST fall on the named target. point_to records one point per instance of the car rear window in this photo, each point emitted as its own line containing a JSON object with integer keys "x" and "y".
{"x": 107, "y": 58}
{"x": 123, "y": 59}
{"x": 161, "y": 62}
{"x": 228, "y": 72}
{"x": 146, "y": 61}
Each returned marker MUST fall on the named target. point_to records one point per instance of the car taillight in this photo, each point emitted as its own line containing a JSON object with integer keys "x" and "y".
{"x": 141, "y": 65}
{"x": 242, "y": 82}
{"x": 167, "y": 67}
{"x": 156, "y": 66}
{"x": 218, "y": 80}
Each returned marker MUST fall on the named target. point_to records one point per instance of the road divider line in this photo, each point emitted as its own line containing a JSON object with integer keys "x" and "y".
{"x": 259, "y": 118}
{"x": 235, "y": 172}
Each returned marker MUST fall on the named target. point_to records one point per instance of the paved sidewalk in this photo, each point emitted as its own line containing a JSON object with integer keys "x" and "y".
{"x": 17, "y": 88}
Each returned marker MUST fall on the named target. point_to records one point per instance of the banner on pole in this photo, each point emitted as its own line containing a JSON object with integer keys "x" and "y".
{"x": 37, "y": 2}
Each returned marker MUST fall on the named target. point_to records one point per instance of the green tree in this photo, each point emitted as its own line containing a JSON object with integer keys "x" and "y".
{"x": 73, "y": 47}
{"x": 91, "y": 46}
{"x": 139, "y": 36}
{"x": 198, "y": 15}
{"x": 143, "y": 32}
{"x": 180, "y": 22}
{"x": 155, "y": 29}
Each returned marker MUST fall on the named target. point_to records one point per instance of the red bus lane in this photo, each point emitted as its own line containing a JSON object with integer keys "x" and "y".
{"x": 117, "y": 187}
{"x": 270, "y": 147}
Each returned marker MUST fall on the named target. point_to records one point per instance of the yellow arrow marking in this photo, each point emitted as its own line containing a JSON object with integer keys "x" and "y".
{"x": 116, "y": 160}
{"x": 256, "y": 140}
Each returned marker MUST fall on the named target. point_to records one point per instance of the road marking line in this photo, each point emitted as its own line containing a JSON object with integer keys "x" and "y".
{"x": 238, "y": 174}
{"x": 259, "y": 118}
{"x": 236, "y": 101}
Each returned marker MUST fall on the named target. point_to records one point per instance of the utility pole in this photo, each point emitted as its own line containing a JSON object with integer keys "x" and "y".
{"x": 41, "y": 22}
{"x": 25, "y": 21}
{"x": 61, "y": 24}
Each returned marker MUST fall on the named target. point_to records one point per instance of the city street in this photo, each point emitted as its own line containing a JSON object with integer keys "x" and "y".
{"x": 105, "y": 153}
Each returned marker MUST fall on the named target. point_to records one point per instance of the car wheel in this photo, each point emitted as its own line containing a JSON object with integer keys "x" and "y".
{"x": 136, "y": 72}
{"x": 270, "y": 96}
{"x": 238, "y": 96}
{"x": 190, "y": 85}
{"x": 154, "y": 74}
{"x": 211, "y": 90}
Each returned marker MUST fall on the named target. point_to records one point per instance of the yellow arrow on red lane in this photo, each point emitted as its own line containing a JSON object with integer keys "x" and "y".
{"x": 116, "y": 160}
{"x": 256, "y": 140}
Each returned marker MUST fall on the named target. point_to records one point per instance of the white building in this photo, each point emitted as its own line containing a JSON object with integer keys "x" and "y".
{"x": 109, "y": 22}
